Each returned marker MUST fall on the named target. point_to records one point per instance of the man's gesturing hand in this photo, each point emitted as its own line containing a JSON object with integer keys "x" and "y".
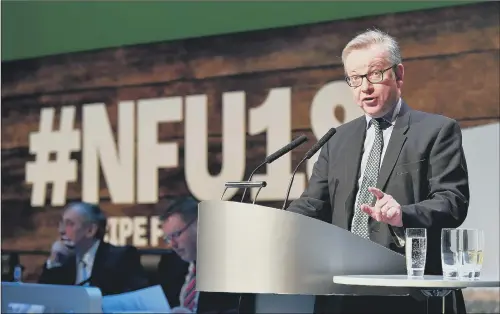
{"x": 386, "y": 209}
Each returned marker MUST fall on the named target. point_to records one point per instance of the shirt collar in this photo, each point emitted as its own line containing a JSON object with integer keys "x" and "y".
{"x": 89, "y": 256}
{"x": 390, "y": 117}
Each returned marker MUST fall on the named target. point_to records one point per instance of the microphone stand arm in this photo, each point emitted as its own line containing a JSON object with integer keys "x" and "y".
{"x": 246, "y": 185}
{"x": 291, "y": 182}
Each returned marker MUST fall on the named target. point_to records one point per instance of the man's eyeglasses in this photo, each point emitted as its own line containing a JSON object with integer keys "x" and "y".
{"x": 175, "y": 235}
{"x": 373, "y": 77}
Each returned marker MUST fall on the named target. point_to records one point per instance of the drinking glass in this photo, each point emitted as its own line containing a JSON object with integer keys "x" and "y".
{"x": 468, "y": 247}
{"x": 449, "y": 253}
{"x": 480, "y": 252}
{"x": 416, "y": 251}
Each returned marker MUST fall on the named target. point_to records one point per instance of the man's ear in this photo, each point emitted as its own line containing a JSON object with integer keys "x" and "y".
{"x": 399, "y": 72}
{"x": 92, "y": 230}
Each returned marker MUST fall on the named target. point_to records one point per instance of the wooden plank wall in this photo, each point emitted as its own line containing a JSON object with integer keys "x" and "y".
{"x": 451, "y": 58}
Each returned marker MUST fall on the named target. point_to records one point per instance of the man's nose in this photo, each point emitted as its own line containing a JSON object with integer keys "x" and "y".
{"x": 365, "y": 85}
{"x": 173, "y": 243}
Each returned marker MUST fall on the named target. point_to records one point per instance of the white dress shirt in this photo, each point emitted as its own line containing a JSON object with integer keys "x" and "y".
{"x": 85, "y": 263}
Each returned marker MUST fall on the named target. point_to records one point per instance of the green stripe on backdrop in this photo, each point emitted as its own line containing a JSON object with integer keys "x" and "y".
{"x": 39, "y": 28}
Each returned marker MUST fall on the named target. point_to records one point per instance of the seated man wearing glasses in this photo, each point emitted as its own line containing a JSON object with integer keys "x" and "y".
{"x": 81, "y": 257}
{"x": 180, "y": 228}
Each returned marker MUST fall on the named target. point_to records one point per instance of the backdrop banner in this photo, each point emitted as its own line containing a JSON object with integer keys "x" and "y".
{"x": 132, "y": 128}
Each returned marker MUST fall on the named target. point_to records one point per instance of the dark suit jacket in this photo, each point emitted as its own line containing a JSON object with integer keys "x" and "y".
{"x": 424, "y": 169}
{"x": 171, "y": 274}
{"x": 115, "y": 270}
{"x": 225, "y": 303}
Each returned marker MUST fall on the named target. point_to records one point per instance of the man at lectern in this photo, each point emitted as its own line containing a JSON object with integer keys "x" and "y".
{"x": 81, "y": 257}
{"x": 390, "y": 169}
{"x": 180, "y": 228}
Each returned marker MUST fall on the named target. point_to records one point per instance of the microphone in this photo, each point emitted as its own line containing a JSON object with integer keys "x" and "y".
{"x": 293, "y": 144}
{"x": 269, "y": 159}
{"x": 307, "y": 156}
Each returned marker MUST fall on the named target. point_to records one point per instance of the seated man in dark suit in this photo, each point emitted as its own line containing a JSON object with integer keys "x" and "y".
{"x": 180, "y": 227}
{"x": 171, "y": 275}
{"x": 81, "y": 257}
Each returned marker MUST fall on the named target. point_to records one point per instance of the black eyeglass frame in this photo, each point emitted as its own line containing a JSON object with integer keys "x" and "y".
{"x": 175, "y": 235}
{"x": 381, "y": 72}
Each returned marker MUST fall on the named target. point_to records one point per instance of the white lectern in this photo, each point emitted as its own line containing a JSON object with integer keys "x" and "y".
{"x": 283, "y": 257}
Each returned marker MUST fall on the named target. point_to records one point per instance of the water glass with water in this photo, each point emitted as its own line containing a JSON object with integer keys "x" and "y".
{"x": 449, "y": 253}
{"x": 468, "y": 252}
{"x": 416, "y": 251}
{"x": 480, "y": 250}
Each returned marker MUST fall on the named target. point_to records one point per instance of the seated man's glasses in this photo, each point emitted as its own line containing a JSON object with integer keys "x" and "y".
{"x": 175, "y": 235}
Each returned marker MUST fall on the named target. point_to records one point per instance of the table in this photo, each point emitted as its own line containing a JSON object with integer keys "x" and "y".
{"x": 430, "y": 286}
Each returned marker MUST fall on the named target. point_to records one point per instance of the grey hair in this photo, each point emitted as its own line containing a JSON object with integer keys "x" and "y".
{"x": 92, "y": 214}
{"x": 374, "y": 37}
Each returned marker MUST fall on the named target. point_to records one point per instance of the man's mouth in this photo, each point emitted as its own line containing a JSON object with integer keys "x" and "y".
{"x": 369, "y": 100}
{"x": 68, "y": 243}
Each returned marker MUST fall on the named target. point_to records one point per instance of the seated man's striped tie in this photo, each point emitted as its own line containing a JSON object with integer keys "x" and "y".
{"x": 190, "y": 292}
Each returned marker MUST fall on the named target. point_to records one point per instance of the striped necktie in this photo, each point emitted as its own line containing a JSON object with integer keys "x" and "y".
{"x": 190, "y": 291}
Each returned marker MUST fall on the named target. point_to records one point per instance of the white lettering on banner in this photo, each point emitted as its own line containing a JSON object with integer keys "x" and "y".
{"x": 134, "y": 230}
{"x": 151, "y": 154}
{"x": 274, "y": 117}
{"x": 200, "y": 182}
{"x": 132, "y": 180}
{"x": 117, "y": 163}
{"x": 155, "y": 231}
{"x": 327, "y": 99}
{"x": 61, "y": 143}
{"x": 139, "y": 231}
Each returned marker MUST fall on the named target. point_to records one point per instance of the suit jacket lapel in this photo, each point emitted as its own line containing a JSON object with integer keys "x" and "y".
{"x": 70, "y": 270}
{"x": 99, "y": 264}
{"x": 396, "y": 142}
{"x": 353, "y": 153}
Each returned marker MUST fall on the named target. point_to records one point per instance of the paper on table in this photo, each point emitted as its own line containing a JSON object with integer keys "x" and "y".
{"x": 151, "y": 299}
{"x": 25, "y": 308}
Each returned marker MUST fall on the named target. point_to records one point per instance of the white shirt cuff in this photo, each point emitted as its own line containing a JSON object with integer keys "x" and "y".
{"x": 50, "y": 264}
{"x": 400, "y": 236}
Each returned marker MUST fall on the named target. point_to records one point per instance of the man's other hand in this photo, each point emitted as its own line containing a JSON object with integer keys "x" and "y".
{"x": 386, "y": 208}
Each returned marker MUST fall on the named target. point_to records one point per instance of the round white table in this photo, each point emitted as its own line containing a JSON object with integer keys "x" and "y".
{"x": 430, "y": 286}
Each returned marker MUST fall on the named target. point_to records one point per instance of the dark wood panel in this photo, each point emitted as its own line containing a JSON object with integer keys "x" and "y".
{"x": 451, "y": 86}
{"x": 477, "y": 122}
{"x": 460, "y": 86}
{"x": 431, "y": 32}
{"x": 464, "y": 86}
{"x": 95, "y": 69}
{"x": 171, "y": 180}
